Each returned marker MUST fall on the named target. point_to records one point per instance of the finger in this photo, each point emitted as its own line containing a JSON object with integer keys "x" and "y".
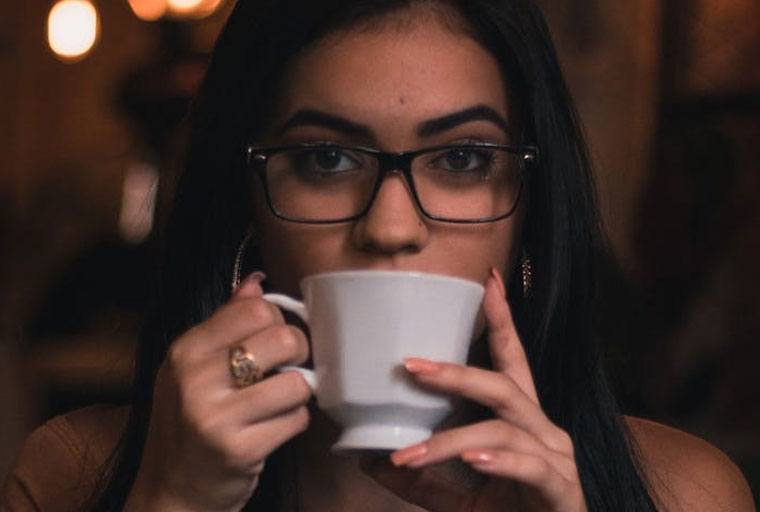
{"x": 232, "y": 322}
{"x": 529, "y": 469}
{"x": 495, "y": 390}
{"x": 450, "y": 443}
{"x": 267, "y": 399}
{"x": 250, "y": 286}
{"x": 507, "y": 353}
{"x": 272, "y": 347}
{"x": 491, "y": 434}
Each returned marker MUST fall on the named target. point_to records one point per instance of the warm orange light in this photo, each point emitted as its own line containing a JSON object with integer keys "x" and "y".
{"x": 184, "y": 6}
{"x": 208, "y": 7}
{"x": 73, "y": 28}
{"x": 193, "y": 8}
{"x": 148, "y": 10}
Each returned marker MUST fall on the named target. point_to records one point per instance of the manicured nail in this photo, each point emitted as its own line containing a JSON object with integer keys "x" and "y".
{"x": 499, "y": 281}
{"x": 477, "y": 456}
{"x": 421, "y": 366}
{"x": 409, "y": 454}
{"x": 257, "y": 277}
{"x": 254, "y": 277}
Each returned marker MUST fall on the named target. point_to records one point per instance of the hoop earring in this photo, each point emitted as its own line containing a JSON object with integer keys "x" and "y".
{"x": 527, "y": 274}
{"x": 236, "y": 269}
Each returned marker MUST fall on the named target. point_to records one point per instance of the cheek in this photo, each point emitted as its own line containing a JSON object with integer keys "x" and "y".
{"x": 478, "y": 248}
{"x": 290, "y": 252}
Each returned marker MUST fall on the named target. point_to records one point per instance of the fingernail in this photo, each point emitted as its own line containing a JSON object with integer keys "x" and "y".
{"x": 409, "y": 454}
{"x": 254, "y": 277}
{"x": 257, "y": 276}
{"x": 421, "y": 366}
{"x": 477, "y": 456}
{"x": 499, "y": 281}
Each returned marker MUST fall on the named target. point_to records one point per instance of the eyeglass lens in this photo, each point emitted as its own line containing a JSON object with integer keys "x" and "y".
{"x": 321, "y": 184}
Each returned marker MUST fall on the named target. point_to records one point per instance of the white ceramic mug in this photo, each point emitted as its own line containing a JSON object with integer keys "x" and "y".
{"x": 363, "y": 324}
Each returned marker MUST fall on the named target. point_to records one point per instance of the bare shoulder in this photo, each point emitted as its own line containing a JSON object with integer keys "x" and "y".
{"x": 59, "y": 463}
{"x": 105, "y": 421}
{"x": 97, "y": 427}
{"x": 688, "y": 473}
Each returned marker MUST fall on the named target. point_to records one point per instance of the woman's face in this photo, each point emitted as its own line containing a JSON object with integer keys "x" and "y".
{"x": 389, "y": 81}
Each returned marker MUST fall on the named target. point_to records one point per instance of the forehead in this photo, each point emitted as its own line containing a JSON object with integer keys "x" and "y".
{"x": 395, "y": 73}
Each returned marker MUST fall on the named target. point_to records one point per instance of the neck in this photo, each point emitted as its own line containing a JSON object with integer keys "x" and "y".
{"x": 337, "y": 482}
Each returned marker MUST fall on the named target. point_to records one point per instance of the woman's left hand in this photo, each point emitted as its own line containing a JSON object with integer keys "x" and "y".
{"x": 529, "y": 461}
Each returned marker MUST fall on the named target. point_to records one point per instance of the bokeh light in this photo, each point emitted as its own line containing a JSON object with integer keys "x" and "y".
{"x": 151, "y": 10}
{"x": 208, "y": 7}
{"x": 148, "y": 10}
{"x": 73, "y": 28}
{"x": 184, "y": 6}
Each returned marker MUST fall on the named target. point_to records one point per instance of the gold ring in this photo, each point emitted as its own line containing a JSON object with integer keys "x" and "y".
{"x": 243, "y": 368}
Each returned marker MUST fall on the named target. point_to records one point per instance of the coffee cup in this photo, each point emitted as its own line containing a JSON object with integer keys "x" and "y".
{"x": 362, "y": 325}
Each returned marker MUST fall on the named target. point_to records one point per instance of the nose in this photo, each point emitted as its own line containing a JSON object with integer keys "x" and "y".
{"x": 393, "y": 224}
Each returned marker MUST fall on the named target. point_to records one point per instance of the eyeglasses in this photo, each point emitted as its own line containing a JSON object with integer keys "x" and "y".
{"x": 320, "y": 183}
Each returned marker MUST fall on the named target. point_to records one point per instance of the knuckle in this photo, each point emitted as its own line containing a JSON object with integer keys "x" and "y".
{"x": 288, "y": 340}
{"x": 301, "y": 419}
{"x": 565, "y": 442}
{"x": 253, "y": 312}
{"x": 176, "y": 355}
{"x": 299, "y": 389}
{"x": 186, "y": 349}
{"x": 176, "y": 364}
{"x": 264, "y": 312}
{"x": 302, "y": 344}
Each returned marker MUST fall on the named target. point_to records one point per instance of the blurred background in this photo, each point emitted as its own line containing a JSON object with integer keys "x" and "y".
{"x": 92, "y": 94}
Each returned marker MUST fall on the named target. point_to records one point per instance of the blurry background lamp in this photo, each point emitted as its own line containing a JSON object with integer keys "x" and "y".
{"x": 151, "y": 10}
{"x": 192, "y": 8}
{"x": 207, "y": 7}
{"x": 184, "y": 6}
{"x": 148, "y": 10}
{"x": 73, "y": 28}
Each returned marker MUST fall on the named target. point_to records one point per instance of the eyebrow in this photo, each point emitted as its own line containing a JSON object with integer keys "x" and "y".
{"x": 311, "y": 117}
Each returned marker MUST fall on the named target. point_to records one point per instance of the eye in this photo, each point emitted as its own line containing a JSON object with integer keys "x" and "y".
{"x": 463, "y": 159}
{"x": 328, "y": 160}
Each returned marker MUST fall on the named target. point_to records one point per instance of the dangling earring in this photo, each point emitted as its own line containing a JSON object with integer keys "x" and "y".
{"x": 236, "y": 269}
{"x": 527, "y": 274}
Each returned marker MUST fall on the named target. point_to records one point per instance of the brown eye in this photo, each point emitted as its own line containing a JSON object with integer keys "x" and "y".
{"x": 463, "y": 159}
{"x": 324, "y": 161}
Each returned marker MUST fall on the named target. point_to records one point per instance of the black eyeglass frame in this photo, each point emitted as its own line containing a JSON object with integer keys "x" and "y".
{"x": 257, "y": 157}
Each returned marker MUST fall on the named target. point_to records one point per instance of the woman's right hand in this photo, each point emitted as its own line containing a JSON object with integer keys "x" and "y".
{"x": 208, "y": 439}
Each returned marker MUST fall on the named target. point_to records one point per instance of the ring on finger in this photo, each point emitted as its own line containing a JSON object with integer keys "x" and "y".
{"x": 244, "y": 369}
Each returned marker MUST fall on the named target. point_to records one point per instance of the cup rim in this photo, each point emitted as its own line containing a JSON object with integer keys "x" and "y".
{"x": 392, "y": 273}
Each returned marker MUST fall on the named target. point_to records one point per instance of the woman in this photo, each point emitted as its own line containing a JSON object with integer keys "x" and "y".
{"x": 479, "y": 78}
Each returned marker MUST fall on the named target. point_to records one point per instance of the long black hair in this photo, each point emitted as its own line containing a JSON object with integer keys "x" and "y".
{"x": 562, "y": 232}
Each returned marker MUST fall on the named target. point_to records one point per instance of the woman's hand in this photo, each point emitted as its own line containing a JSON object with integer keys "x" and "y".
{"x": 529, "y": 461}
{"x": 208, "y": 439}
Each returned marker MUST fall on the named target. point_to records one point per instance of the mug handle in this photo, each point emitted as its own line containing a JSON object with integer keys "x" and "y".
{"x": 297, "y": 307}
